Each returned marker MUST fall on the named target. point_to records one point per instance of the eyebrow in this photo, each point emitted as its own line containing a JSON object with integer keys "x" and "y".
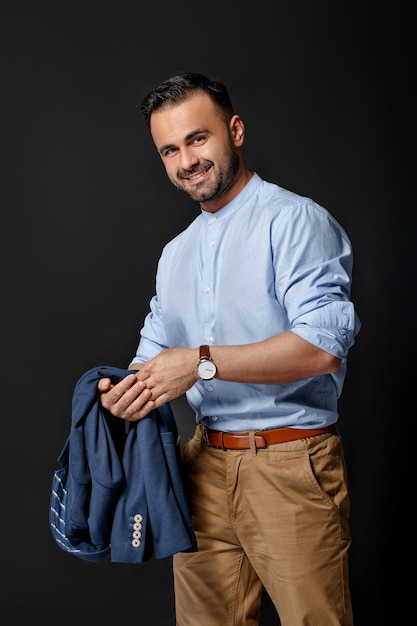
{"x": 193, "y": 133}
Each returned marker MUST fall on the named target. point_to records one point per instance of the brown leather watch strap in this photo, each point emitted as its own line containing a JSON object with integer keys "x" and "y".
{"x": 205, "y": 353}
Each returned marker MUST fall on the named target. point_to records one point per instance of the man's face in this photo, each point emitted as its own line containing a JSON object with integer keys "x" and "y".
{"x": 199, "y": 150}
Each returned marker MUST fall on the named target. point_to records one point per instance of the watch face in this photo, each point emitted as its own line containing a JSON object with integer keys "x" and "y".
{"x": 206, "y": 370}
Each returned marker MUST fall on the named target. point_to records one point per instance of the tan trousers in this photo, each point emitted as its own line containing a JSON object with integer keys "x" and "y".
{"x": 276, "y": 517}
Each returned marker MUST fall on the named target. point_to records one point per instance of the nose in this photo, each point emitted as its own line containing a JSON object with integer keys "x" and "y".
{"x": 188, "y": 158}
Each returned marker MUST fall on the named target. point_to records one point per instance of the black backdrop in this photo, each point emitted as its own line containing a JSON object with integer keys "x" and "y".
{"x": 325, "y": 91}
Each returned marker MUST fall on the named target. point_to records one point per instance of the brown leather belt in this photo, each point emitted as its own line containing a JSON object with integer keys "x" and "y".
{"x": 263, "y": 438}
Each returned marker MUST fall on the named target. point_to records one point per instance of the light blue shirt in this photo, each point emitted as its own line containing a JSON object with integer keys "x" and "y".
{"x": 267, "y": 262}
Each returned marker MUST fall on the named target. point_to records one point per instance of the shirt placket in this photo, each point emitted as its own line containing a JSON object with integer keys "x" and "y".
{"x": 210, "y": 256}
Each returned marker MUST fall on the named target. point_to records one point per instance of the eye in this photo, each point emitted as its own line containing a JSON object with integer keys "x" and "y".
{"x": 199, "y": 139}
{"x": 168, "y": 152}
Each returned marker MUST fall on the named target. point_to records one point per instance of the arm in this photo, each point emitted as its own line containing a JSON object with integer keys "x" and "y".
{"x": 281, "y": 359}
{"x": 312, "y": 283}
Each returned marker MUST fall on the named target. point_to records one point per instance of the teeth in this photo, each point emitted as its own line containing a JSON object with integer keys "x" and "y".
{"x": 196, "y": 176}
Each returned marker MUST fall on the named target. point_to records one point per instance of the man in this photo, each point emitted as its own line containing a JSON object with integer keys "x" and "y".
{"x": 252, "y": 319}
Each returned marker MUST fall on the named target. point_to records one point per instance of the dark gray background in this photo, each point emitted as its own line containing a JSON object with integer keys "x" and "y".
{"x": 325, "y": 91}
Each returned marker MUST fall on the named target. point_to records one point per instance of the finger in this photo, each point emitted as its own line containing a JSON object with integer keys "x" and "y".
{"x": 140, "y": 408}
{"x": 142, "y": 374}
{"x": 129, "y": 383}
{"x": 134, "y": 399}
{"x": 120, "y": 396}
{"x": 104, "y": 384}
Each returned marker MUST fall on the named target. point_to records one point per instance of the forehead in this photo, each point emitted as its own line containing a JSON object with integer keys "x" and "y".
{"x": 173, "y": 123}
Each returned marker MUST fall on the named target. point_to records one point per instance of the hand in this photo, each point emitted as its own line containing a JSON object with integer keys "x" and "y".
{"x": 129, "y": 399}
{"x": 165, "y": 377}
{"x": 170, "y": 374}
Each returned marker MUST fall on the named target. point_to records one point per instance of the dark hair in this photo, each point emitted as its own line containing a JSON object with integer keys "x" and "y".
{"x": 177, "y": 89}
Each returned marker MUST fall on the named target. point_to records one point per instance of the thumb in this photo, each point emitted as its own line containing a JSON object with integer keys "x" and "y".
{"x": 104, "y": 384}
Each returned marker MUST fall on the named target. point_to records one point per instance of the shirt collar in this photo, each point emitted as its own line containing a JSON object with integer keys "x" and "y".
{"x": 237, "y": 202}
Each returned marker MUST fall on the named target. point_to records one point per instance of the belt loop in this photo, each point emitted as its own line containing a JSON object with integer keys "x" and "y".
{"x": 252, "y": 443}
{"x": 200, "y": 435}
{"x": 204, "y": 438}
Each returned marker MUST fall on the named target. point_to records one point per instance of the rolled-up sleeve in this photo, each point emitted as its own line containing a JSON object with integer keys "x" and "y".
{"x": 332, "y": 327}
{"x": 153, "y": 338}
{"x": 314, "y": 276}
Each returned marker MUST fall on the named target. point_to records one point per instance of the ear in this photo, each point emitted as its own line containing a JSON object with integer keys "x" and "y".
{"x": 237, "y": 130}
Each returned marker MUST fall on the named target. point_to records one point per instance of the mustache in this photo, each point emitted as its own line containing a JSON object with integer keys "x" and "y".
{"x": 195, "y": 170}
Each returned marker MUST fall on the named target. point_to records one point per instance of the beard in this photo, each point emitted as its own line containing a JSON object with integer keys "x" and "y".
{"x": 225, "y": 175}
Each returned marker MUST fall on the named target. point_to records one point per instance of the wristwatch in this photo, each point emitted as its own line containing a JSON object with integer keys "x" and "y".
{"x": 205, "y": 369}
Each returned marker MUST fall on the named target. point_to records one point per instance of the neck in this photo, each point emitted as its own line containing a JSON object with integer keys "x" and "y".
{"x": 241, "y": 181}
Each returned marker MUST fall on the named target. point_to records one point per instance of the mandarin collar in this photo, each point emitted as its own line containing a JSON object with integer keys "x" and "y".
{"x": 237, "y": 202}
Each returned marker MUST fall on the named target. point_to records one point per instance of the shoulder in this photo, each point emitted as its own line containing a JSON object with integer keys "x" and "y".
{"x": 283, "y": 204}
{"x": 291, "y": 216}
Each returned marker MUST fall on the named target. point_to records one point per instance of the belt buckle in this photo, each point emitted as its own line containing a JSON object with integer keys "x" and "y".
{"x": 208, "y": 442}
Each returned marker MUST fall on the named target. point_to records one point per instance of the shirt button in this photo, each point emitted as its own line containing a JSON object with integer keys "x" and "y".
{"x": 214, "y": 418}
{"x": 207, "y": 289}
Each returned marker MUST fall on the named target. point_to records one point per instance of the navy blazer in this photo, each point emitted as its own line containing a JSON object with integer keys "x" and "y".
{"x": 118, "y": 492}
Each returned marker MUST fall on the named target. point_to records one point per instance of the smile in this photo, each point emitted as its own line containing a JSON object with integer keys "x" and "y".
{"x": 197, "y": 176}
